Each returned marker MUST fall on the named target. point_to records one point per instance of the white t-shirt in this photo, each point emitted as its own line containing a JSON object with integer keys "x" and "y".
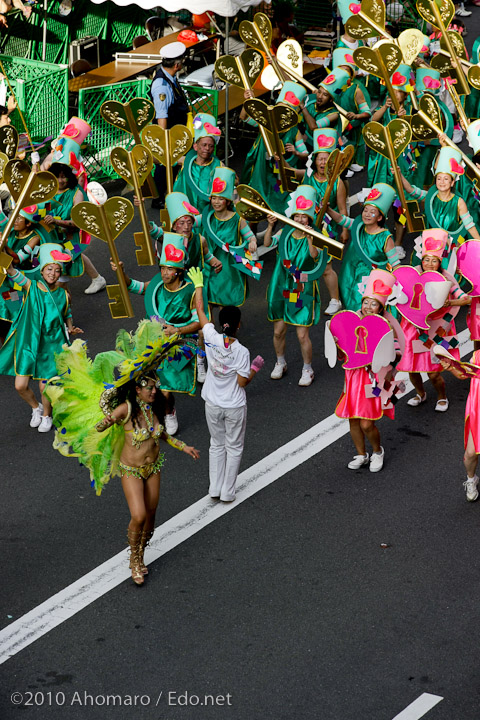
{"x": 221, "y": 387}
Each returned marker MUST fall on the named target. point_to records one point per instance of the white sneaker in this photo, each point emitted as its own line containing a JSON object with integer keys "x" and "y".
{"x": 171, "y": 423}
{"x": 356, "y": 168}
{"x": 400, "y": 252}
{"x": 201, "y": 372}
{"x": 470, "y": 486}
{"x": 416, "y": 400}
{"x": 307, "y": 377}
{"x": 376, "y": 461}
{"x": 358, "y": 462}
{"x": 97, "y": 284}
{"x": 333, "y": 307}
{"x": 45, "y": 424}
{"x": 349, "y": 173}
{"x": 278, "y": 371}
{"x": 36, "y": 418}
{"x": 457, "y": 136}
{"x": 461, "y": 12}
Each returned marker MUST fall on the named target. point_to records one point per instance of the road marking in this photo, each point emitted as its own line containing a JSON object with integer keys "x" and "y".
{"x": 419, "y": 707}
{"x": 69, "y": 601}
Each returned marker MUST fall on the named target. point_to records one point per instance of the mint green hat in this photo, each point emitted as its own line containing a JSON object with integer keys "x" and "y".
{"x": 324, "y": 140}
{"x": 343, "y": 7}
{"x": 428, "y": 80}
{"x": 343, "y": 56}
{"x": 473, "y": 136}
{"x": 292, "y": 94}
{"x": 449, "y": 161}
{"x": 302, "y": 201}
{"x": 223, "y": 184}
{"x": 204, "y": 125}
{"x": 178, "y": 205}
{"x": 401, "y": 79}
{"x": 52, "y": 253}
{"x": 173, "y": 251}
{"x": 381, "y": 196}
{"x": 336, "y": 82}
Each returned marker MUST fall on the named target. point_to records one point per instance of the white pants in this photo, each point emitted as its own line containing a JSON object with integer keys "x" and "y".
{"x": 227, "y": 434}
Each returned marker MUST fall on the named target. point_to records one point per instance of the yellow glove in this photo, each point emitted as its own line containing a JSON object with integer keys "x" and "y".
{"x": 196, "y": 276}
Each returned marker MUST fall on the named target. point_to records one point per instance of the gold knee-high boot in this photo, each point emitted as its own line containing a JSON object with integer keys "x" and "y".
{"x": 134, "y": 539}
{"x": 144, "y": 540}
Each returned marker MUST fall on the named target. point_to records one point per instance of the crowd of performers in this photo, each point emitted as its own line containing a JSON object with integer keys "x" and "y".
{"x": 387, "y": 312}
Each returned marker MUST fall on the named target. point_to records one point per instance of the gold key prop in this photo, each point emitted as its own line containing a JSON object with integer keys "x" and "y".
{"x": 443, "y": 63}
{"x": 368, "y": 20}
{"x": 134, "y": 167}
{"x": 473, "y": 75}
{"x": 338, "y": 161}
{"x": 258, "y": 34}
{"x": 8, "y": 141}
{"x": 132, "y": 117}
{"x": 390, "y": 141}
{"x": 26, "y": 188}
{"x": 410, "y": 42}
{"x": 427, "y": 123}
{"x": 277, "y": 118}
{"x": 290, "y": 58}
{"x": 243, "y": 72}
{"x": 3, "y": 162}
{"x": 440, "y": 16}
{"x": 380, "y": 60}
{"x": 106, "y": 222}
{"x": 252, "y": 207}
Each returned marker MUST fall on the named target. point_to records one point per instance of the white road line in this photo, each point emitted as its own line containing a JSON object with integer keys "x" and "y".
{"x": 419, "y": 707}
{"x": 69, "y": 601}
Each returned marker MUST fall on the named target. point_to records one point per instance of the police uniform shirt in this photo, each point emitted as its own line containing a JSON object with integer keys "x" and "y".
{"x": 163, "y": 97}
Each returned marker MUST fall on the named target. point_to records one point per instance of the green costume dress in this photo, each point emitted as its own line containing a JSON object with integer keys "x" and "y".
{"x": 70, "y": 239}
{"x": 444, "y": 215}
{"x": 36, "y": 334}
{"x": 11, "y": 297}
{"x": 195, "y": 180}
{"x": 261, "y": 174}
{"x": 354, "y": 135}
{"x": 229, "y": 286}
{"x": 364, "y": 251}
{"x": 176, "y": 308}
{"x": 285, "y": 302}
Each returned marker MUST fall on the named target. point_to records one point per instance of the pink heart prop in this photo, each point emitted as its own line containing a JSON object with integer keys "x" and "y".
{"x": 379, "y": 288}
{"x": 189, "y": 208}
{"x": 325, "y": 141}
{"x": 398, "y": 78}
{"x": 303, "y": 203}
{"x": 455, "y": 167}
{"x": 358, "y": 337}
{"x": 61, "y": 257}
{"x": 354, "y": 8}
{"x": 173, "y": 254}
{"x": 417, "y": 308}
{"x": 431, "y": 83}
{"x": 291, "y": 98}
{"x": 218, "y": 185}
{"x": 468, "y": 263}
{"x": 328, "y": 80}
{"x": 211, "y": 129}
{"x": 349, "y": 59}
{"x": 373, "y": 194}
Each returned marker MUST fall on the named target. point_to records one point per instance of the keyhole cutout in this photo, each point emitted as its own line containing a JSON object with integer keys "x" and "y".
{"x": 361, "y": 344}
{"x": 418, "y": 289}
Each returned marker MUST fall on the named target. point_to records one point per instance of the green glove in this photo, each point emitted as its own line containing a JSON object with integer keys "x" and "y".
{"x": 196, "y": 276}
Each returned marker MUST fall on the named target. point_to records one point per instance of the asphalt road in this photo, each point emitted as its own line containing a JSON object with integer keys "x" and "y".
{"x": 329, "y": 595}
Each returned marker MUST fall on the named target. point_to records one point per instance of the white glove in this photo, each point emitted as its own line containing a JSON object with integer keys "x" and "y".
{"x": 35, "y": 158}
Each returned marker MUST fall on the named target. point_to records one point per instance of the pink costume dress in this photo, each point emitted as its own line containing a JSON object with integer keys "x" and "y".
{"x": 473, "y": 319}
{"x": 472, "y": 413}
{"x": 353, "y": 402}
{"x": 422, "y": 361}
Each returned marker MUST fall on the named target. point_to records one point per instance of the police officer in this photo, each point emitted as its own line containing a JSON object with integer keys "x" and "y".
{"x": 171, "y": 104}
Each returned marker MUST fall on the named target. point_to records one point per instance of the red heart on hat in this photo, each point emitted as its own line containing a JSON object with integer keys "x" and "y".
{"x": 379, "y": 288}
{"x": 71, "y": 131}
{"x": 432, "y": 244}
{"x": 431, "y": 83}
{"x": 173, "y": 254}
{"x": 189, "y": 208}
{"x": 349, "y": 58}
{"x": 303, "y": 203}
{"x": 324, "y": 141}
{"x": 329, "y": 80}
{"x": 424, "y": 49}
{"x": 291, "y": 98}
{"x": 398, "y": 78}
{"x": 30, "y": 209}
{"x": 354, "y": 8}
{"x": 61, "y": 257}
{"x": 455, "y": 167}
{"x": 218, "y": 185}
{"x": 373, "y": 194}
{"x": 211, "y": 129}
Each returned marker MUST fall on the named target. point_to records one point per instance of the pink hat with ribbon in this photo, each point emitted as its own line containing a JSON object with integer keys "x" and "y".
{"x": 379, "y": 285}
